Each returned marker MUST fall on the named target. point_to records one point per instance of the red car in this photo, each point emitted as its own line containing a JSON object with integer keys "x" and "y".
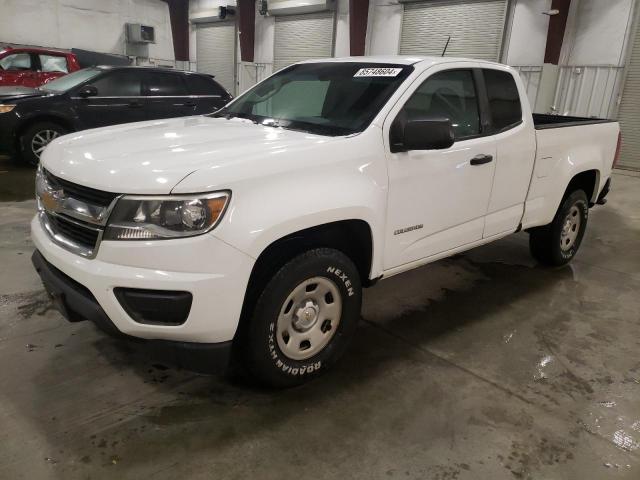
{"x": 32, "y": 67}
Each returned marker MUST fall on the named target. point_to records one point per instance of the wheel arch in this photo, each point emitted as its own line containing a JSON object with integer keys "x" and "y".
{"x": 588, "y": 181}
{"x": 353, "y": 237}
{"x": 30, "y": 121}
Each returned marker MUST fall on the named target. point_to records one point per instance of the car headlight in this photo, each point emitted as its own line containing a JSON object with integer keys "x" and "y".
{"x": 6, "y": 108}
{"x": 163, "y": 217}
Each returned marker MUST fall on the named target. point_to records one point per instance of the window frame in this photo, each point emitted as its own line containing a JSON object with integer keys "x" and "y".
{"x": 32, "y": 59}
{"x": 38, "y": 61}
{"x": 481, "y": 99}
{"x": 493, "y": 130}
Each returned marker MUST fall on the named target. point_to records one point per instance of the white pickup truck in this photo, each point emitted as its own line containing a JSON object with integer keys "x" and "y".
{"x": 250, "y": 233}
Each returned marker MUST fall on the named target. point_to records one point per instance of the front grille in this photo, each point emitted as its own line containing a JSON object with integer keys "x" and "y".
{"x": 75, "y": 231}
{"x": 80, "y": 192}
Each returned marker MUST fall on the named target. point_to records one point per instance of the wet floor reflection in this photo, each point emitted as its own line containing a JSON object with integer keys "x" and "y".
{"x": 16, "y": 180}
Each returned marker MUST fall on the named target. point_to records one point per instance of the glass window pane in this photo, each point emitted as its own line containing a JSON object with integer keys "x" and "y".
{"x": 17, "y": 61}
{"x": 165, "y": 84}
{"x": 202, "y": 85}
{"x": 504, "y": 99}
{"x": 53, "y": 63}
{"x": 118, "y": 84}
{"x": 449, "y": 94}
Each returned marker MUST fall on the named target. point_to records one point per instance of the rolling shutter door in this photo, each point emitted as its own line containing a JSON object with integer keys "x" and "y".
{"x": 476, "y": 28}
{"x": 301, "y": 37}
{"x": 628, "y": 113}
{"x": 215, "y": 52}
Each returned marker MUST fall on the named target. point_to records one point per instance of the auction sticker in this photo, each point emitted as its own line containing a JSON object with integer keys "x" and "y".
{"x": 378, "y": 72}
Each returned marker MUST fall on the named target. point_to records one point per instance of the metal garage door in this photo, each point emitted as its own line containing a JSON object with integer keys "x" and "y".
{"x": 216, "y": 52}
{"x": 301, "y": 37}
{"x": 628, "y": 114}
{"x": 476, "y": 28}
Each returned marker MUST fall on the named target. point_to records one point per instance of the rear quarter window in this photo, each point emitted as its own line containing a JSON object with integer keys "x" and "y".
{"x": 504, "y": 99}
{"x": 202, "y": 85}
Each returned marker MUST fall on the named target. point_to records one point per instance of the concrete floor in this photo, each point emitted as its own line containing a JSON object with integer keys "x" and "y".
{"x": 484, "y": 366}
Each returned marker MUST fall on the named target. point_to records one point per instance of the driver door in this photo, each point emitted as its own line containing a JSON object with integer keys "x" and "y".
{"x": 438, "y": 199}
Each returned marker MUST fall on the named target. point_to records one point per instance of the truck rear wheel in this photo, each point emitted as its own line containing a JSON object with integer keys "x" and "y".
{"x": 303, "y": 319}
{"x": 557, "y": 243}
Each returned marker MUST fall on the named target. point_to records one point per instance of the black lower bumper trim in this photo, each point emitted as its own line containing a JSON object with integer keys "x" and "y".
{"x": 77, "y": 303}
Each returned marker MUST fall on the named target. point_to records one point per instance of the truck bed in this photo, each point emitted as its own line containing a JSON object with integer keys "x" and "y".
{"x": 542, "y": 121}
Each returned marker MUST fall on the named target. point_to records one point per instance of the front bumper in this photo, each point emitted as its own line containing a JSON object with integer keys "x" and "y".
{"x": 215, "y": 273}
{"x": 77, "y": 303}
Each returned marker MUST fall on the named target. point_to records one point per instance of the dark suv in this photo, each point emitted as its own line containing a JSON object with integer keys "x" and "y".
{"x": 97, "y": 97}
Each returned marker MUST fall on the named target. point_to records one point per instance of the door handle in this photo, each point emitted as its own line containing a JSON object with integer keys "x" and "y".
{"x": 135, "y": 104}
{"x": 481, "y": 159}
{"x": 189, "y": 104}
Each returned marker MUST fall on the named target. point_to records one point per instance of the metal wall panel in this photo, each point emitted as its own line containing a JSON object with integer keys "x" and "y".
{"x": 588, "y": 90}
{"x": 216, "y": 52}
{"x": 629, "y": 112}
{"x": 301, "y": 37}
{"x": 476, "y": 28}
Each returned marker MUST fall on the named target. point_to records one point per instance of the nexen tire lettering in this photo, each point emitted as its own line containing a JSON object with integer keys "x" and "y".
{"x": 342, "y": 276}
{"x": 282, "y": 365}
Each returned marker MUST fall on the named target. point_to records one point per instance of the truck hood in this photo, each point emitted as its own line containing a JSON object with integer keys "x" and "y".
{"x": 153, "y": 157}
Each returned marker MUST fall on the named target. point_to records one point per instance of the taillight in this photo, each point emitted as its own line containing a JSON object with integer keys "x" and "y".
{"x": 616, "y": 157}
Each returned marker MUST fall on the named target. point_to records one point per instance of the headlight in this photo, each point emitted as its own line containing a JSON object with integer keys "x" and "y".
{"x": 150, "y": 218}
{"x": 6, "y": 108}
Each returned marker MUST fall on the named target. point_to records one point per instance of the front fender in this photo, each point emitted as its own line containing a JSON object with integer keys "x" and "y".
{"x": 345, "y": 180}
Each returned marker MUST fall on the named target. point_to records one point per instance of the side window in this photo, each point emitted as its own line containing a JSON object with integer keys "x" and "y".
{"x": 17, "y": 61}
{"x": 449, "y": 94}
{"x": 164, "y": 85}
{"x": 53, "y": 63}
{"x": 504, "y": 99}
{"x": 120, "y": 83}
{"x": 201, "y": 85}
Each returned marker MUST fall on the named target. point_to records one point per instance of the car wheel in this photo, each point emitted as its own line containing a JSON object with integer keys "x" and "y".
{"x": 557, "y": 243}
{"x": 303, "y": 318}
{"x": 37, "y": 137}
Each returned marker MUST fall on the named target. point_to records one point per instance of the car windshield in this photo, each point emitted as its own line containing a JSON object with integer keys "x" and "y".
{"x": 330, "y": 98}
{"x": 67, "y": 82}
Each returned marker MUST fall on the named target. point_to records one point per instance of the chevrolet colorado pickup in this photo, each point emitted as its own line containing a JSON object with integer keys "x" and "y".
{"x": 250, "y": 233}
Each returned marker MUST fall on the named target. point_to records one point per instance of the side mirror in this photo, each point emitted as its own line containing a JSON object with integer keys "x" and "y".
{"x": 88, "y": 91}
{"x": 421, "y": 134}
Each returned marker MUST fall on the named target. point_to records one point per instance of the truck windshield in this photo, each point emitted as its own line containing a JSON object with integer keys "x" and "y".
{"x": 67, "y": 82}
{"x": 331, "y": 98}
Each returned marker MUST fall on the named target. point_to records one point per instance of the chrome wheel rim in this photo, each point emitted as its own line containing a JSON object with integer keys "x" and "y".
{"x": 41, "y": 139}
{"x": 570, "y": 229}
{"x": 309, "y": 318}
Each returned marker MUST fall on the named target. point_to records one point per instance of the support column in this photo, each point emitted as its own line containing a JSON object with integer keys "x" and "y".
{"x": 358, "y": 15}
{"x": 555, "y": 35}
{"x": 247, "y": 27}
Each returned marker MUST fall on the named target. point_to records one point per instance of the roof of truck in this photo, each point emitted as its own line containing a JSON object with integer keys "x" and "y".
{"x": 398, "y": 59}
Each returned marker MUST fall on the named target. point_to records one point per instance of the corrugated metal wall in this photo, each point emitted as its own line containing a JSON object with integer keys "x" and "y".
{"x": 629, "y": 113}
{"x": 301, "y": 37}
{"x": 476, "y": 28}
{"x": 215, "y": 52}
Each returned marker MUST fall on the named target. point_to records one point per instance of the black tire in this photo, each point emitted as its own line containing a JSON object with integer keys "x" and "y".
{"x": 27, "y": 139}
{"x": 546, "y": 243}
{"x": 259, "y": 349}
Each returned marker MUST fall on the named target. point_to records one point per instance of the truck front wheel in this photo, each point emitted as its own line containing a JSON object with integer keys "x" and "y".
{"x": 303, "y": 319}
{"x": 557, "y": 243}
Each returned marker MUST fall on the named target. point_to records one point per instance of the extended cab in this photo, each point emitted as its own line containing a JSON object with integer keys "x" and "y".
{"x": 251, "y": 232}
